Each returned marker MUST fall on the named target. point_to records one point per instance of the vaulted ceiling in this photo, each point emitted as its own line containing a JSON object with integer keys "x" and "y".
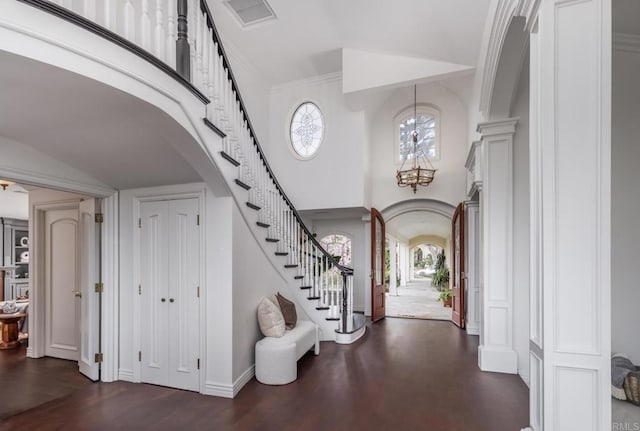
{"x": 307, "y": 37}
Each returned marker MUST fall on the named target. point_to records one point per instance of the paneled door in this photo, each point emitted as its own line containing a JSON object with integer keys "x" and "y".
{"x": 459, "y": 277}
{"x": 169, "y": 279}
{"x": 90, "y": 297}
{"x": 378, "y": 288}
{"x": 62, "y": 294}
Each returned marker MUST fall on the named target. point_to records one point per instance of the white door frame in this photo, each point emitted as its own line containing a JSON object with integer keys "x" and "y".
{"x": 185, "y": 191}
{"x": 110, "y": 262}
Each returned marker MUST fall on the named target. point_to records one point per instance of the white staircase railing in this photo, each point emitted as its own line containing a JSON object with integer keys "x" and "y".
{"x": 182, "y": 35}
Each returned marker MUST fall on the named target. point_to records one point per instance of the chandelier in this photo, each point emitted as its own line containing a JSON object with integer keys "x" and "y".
{"x": 6, "y": 183}
{"x": 421, "y": 172}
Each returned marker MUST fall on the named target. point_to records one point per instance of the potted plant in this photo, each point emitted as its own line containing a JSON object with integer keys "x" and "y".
{"x": 445, "y": 297}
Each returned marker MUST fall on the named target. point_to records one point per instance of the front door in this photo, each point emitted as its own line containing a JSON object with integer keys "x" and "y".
{"x": 378, "y": 290}
{"x": 459, "y": 278}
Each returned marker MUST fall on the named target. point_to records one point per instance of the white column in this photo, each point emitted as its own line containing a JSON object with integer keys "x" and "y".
{"x": 570, "y": 172}
{"x": 496, "y": 351}
{"x": 402, "y": 264}
{"x": 393, "y": 285}
{"x": 412, "y": 262}
{"x": 472, "y": 219}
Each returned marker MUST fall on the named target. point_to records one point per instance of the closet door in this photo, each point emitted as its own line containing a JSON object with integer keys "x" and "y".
{"x": 154, "y": 292}
{"x": 184, "y": 276}
{"x": 170, "y": 274}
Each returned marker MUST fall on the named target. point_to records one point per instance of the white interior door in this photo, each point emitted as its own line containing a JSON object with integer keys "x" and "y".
{"x": 184, "y": 274}
{"x": 154, "y": 292}
{"x": 90, "y": 299}
{"x": 169, "y": 276}
{"x": 61, "y": 284}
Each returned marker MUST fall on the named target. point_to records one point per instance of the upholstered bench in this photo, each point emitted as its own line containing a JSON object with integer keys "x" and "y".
{"x": 277, "y": 357}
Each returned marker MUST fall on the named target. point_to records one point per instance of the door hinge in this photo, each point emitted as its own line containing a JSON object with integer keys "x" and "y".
{"x": 198, "y": 291}
{"x": 198, "y": 220}
{"x": 99, "y": 287}
{"x": 139, "y": 222}
{"x": 139, "y": 289}
{"x": 99, "y": 218}
{"x": 198, "y": 363}
{"x": 98, "y": 358}
{"x": 140, "y": 356}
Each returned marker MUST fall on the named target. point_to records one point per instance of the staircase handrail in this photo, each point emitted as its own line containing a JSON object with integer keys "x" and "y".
{"x": 221, "y": 51}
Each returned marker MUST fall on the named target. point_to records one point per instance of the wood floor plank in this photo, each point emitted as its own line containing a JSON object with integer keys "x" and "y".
{"x": 404, "y": 374}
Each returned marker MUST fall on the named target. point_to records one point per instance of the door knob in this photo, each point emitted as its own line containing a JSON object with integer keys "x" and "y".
{"x": 163, "y": 299}
{"x": 171, "y": 300}
{"x": 77, "y": 294}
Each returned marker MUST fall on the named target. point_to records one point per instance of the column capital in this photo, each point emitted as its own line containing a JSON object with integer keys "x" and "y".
{"x": 505, "y": 126}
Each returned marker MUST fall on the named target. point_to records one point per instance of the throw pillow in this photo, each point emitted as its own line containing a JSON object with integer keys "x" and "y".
{"x": 270, "y": 319}
{"x": 288, "y": 309}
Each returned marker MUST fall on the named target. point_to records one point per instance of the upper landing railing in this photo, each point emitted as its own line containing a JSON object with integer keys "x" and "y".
{"x": 180, "y": 38}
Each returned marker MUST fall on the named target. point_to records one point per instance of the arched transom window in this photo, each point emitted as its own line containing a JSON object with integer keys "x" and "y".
{"x": 426, "y": 125}
{"x": 338, "y": 245}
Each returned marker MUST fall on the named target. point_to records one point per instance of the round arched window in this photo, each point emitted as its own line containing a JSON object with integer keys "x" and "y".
{"x": 338, "y": 246}
{"x": 306, "y": 130}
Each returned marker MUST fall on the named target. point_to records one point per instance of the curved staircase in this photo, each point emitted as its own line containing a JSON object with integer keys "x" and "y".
{"x": 320, "y": 286}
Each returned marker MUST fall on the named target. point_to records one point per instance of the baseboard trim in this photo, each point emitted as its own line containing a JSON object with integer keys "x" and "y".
{"x": 226, "y": 390}
{"x": 473, "y": 330}
{"x": 243, "y": 379}
{"x": 125, "y": 375}
{"x": 526, "y": 380}
{"x": 218, "y": 390}
{"x": 498, "y": 359}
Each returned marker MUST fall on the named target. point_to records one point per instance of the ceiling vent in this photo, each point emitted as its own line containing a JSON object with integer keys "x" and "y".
{"x": 250, "y": 12}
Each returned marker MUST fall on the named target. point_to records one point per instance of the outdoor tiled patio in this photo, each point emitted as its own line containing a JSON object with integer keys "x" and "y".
{"x": 417, "y": 300}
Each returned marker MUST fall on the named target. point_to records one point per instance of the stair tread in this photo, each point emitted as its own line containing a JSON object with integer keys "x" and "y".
{"x": 332, "y": 318}
{"x": 253, "y": 206}
{"x": 282, "y": 253}
{"x": 322, "y": 308}
{"x": 292, "y": 265}
{"x": 215, "y": 128}
{"x": 313, "y": 298}
{"x": 259, "y": 223}
{"x": 272, "y": 240}
{"x": 298, "y": 277}
{"x": 306, "y": 287}
{"x": 243, "y": 184}
{"x": 229, "y": 159}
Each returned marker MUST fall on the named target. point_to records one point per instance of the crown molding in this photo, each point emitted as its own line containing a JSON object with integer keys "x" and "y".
{"x": 626, "y": 42}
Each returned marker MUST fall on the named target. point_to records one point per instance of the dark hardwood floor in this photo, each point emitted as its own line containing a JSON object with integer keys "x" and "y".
{"x": 26, "y": 383}
{"x": 404, "y": 374}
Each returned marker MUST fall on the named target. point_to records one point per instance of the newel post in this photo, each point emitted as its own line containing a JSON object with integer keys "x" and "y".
{"x": 345, "y": 307}
{"x": 183, "y": 59}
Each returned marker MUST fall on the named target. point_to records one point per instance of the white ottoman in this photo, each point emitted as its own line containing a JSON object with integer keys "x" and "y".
{"x": 276, "y": 358}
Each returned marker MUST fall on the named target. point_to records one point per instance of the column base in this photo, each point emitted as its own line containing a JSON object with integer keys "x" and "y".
{"x": 498, "y": 360}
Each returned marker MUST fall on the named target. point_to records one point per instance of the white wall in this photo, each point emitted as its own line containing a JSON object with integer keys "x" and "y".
{"x": 625, "y": 202}
{"x": 334, "y": 178}
{"x": 14, "y": 205}
{"x": 358, "y": 231}
{"x": 520, "y": 108}
{"x": 254, "y": 277}
{"x": 450, "y": 180}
